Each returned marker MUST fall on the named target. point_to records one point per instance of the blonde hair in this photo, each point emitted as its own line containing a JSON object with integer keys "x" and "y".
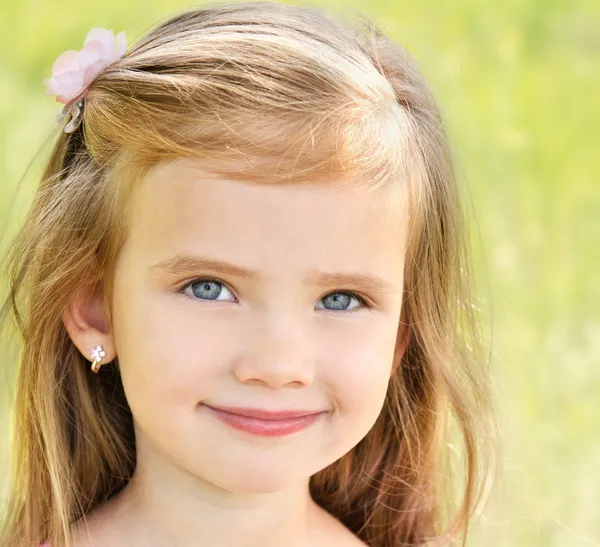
{"x": 268, "y": 93}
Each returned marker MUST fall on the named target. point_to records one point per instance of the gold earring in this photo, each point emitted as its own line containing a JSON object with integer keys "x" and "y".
{"x": 96, "y": 353}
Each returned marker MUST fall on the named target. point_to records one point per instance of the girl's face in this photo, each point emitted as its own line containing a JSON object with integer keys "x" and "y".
{"x": 278, "y": 328}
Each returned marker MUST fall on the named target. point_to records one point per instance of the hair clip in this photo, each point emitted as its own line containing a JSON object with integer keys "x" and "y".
{"x": 73, "y": 71}
{"x": 74, "y": 110}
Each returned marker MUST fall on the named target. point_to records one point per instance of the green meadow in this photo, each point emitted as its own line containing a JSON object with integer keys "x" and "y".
{"x": 518, "y": 82}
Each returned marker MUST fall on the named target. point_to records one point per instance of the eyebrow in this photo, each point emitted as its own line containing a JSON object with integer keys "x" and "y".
{"x": 189, "y": 264}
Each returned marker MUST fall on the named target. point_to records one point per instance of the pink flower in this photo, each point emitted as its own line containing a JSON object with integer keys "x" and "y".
{"x": 73, "y": 71}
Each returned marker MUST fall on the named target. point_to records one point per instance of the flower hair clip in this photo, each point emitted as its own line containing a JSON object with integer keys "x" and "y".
{"x": 73, "y": 71}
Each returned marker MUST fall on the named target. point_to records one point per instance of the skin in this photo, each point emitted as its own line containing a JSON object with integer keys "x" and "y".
{"x": 273, "y": 342}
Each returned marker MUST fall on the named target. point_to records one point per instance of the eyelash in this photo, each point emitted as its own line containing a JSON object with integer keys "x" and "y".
{"x": 362, "y": 301}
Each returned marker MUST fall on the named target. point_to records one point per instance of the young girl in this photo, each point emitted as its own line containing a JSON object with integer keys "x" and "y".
{"x": 244, "y": 295}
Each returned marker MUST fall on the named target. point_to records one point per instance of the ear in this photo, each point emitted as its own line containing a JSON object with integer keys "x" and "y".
{"x": 86, "y": 322}
{"x": 402, "y": 339}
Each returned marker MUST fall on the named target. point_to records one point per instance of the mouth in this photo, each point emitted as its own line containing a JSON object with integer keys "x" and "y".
{"x": 266, "y": 423}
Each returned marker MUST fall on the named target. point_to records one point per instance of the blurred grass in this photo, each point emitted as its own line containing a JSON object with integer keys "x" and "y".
{"x": 519, "y": 86}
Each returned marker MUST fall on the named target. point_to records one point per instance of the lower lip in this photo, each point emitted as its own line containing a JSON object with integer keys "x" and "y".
{"x": 265, "y": 428}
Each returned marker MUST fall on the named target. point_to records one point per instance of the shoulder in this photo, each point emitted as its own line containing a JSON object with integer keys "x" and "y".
{"x": 330, "y": 532}
{"x": 342, "y": 537}
{"x": 348, "y": 539}
{"x": 102, "y": 526}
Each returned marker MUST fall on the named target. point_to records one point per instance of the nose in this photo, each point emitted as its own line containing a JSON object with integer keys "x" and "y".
{"x": 276, "y": 357}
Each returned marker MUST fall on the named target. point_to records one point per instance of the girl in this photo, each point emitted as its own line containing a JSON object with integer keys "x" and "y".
{"x": 244, "y": 295}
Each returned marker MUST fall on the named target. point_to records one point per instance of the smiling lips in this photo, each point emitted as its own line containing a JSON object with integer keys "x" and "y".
{"x": 267, "y": 423}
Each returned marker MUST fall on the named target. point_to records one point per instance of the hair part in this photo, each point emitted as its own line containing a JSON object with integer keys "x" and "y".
{"x": 267, "y": 93}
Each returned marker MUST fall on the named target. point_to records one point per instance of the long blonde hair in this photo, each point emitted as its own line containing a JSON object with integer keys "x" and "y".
{"x": 264, "y": 92}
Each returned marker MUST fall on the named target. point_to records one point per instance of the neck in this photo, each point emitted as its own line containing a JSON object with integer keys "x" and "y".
{"x": 165, "y": 505}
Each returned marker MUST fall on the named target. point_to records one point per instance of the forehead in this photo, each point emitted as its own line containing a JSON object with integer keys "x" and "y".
{"x": 181, "y": 208}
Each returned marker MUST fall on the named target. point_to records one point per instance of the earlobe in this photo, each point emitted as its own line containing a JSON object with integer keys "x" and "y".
{"x": 85, "y": 321}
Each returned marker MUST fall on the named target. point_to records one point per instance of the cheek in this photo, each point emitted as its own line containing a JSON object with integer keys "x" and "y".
{"x": 358, "y": 383}
{"x": 168, "y": 359}
{"x": 359, "y": 376}
{"x": 362, "y": 379}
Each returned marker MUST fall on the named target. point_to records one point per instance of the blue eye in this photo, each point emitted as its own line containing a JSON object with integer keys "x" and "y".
{"x": 208, "y": 289}
{"x": 211, "y": 289}
{"x": 340, "y": 299}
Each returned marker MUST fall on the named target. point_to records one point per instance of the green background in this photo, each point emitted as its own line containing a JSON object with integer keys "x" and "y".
{"x": 519, "y": 85}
